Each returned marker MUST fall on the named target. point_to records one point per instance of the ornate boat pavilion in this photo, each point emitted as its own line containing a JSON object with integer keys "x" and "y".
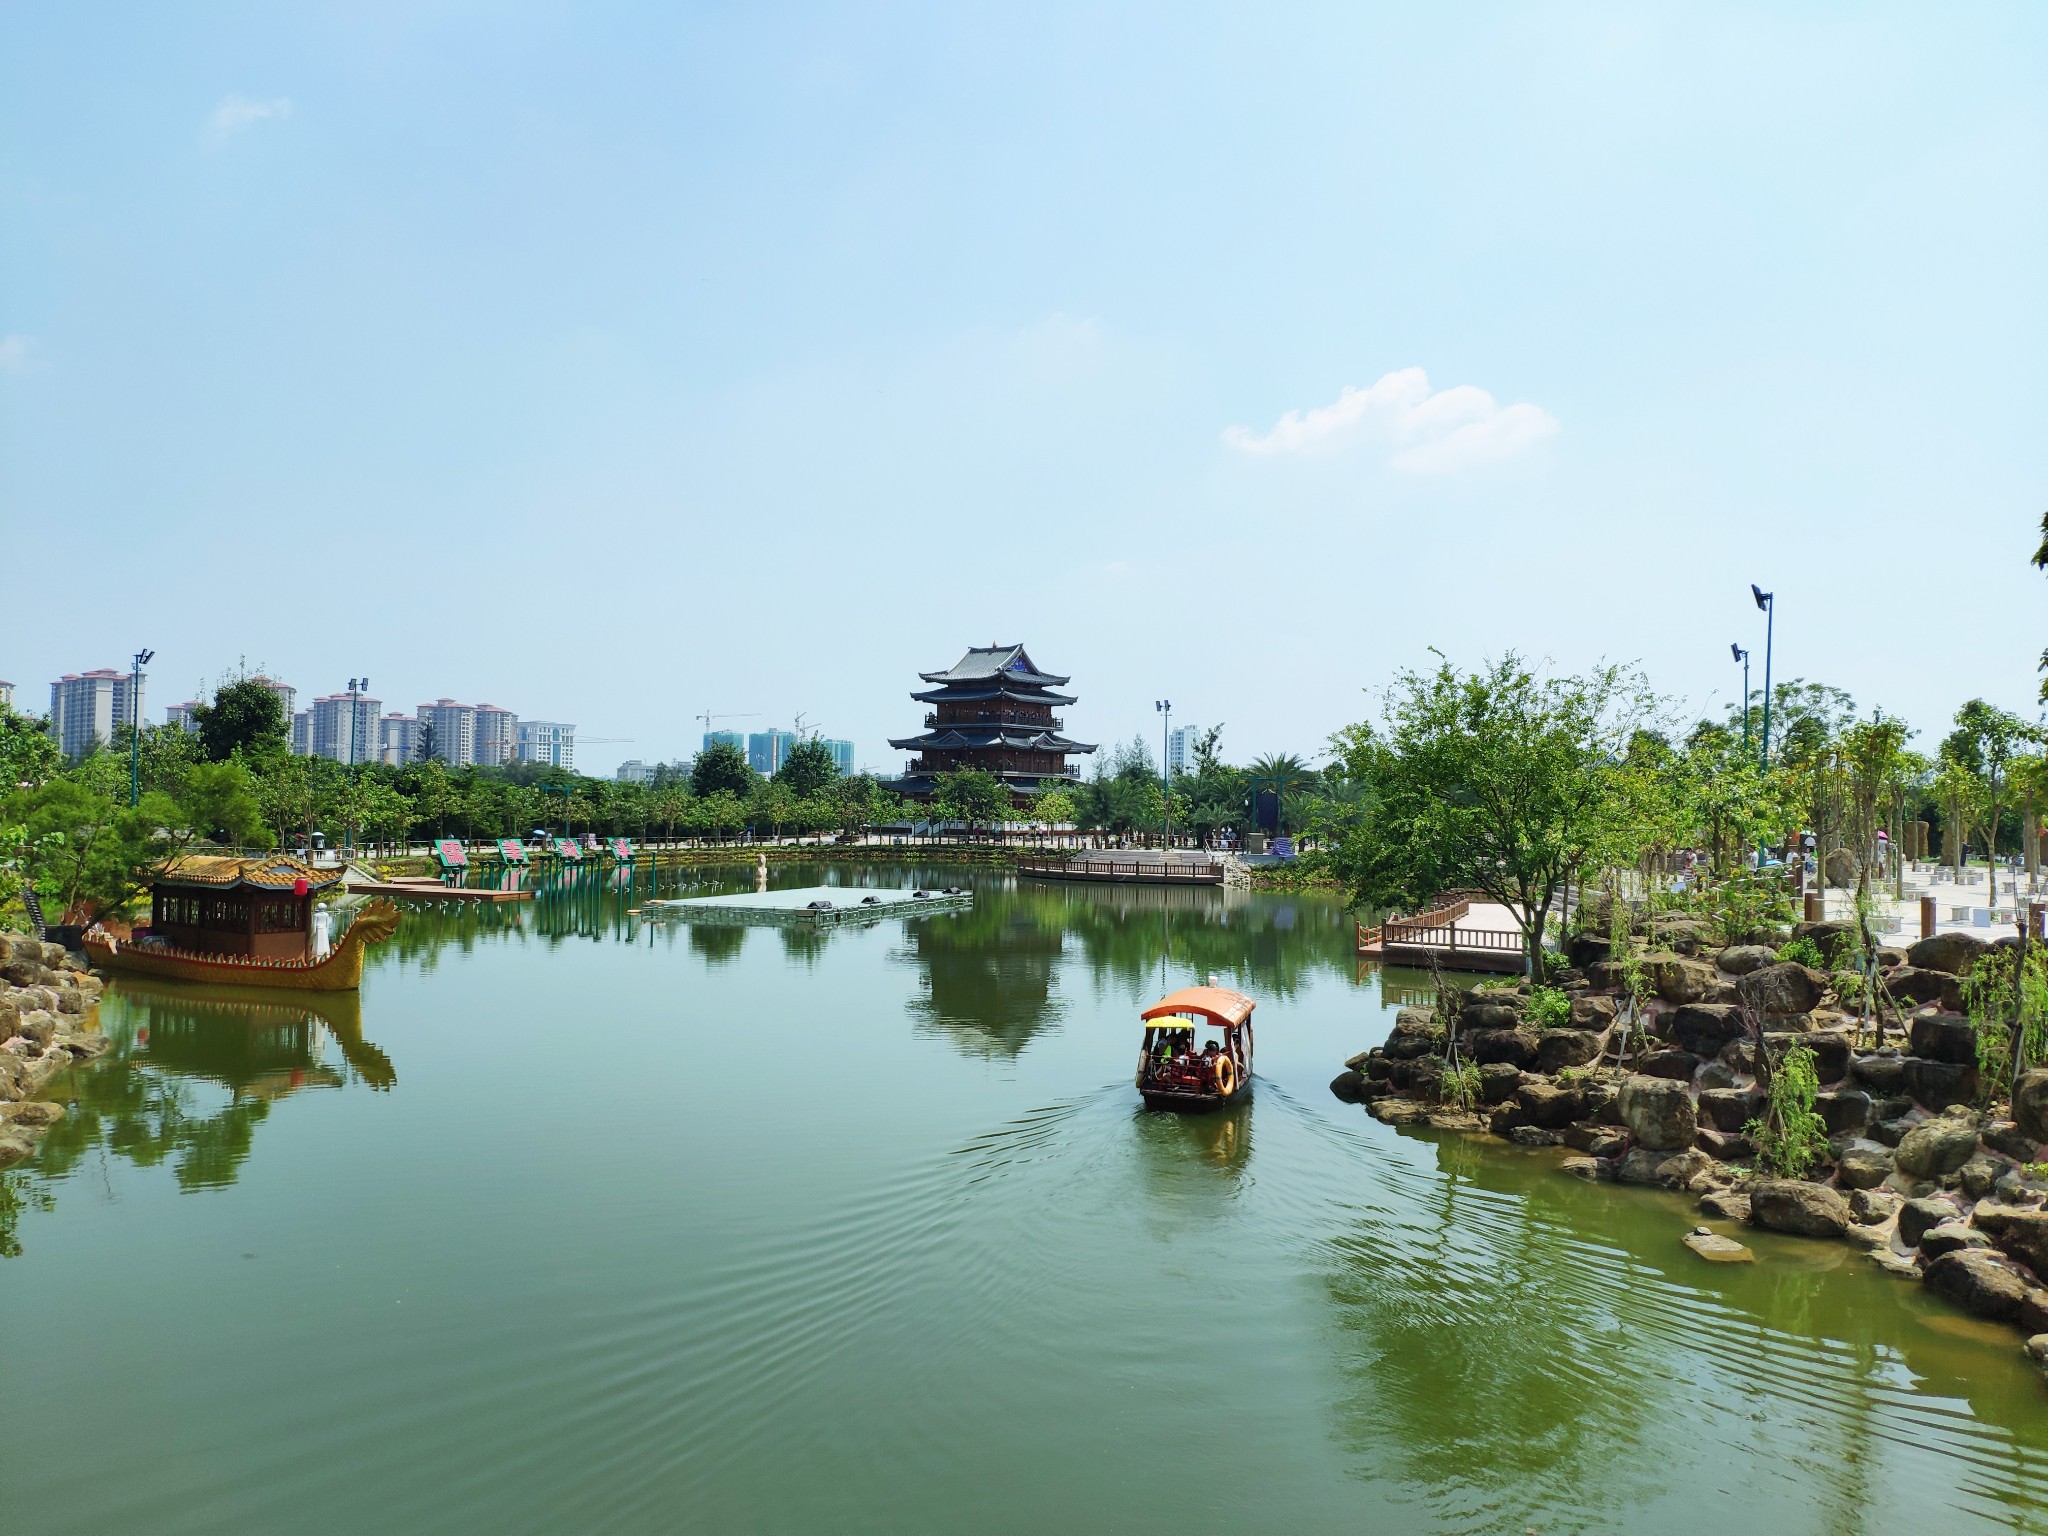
{"x": 992, "y": 710}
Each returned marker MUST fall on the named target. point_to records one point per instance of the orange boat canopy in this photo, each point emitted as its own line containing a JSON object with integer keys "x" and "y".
{"x": 1213, "y": 1003}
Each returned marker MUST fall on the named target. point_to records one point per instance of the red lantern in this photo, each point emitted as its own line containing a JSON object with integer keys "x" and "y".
{"x": 299, "y": 886}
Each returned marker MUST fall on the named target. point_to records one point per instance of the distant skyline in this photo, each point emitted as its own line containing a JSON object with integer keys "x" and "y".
{"x": 619, "y": 365}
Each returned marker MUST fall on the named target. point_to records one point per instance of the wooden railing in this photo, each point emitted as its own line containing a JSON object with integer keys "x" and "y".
{"x": 1157, "y": 871}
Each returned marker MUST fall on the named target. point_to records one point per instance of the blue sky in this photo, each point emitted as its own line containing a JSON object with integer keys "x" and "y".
{"x": 612, "y": 364}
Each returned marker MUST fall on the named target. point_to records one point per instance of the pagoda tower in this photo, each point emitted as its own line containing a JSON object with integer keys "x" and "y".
{"x": 992, "y": 710}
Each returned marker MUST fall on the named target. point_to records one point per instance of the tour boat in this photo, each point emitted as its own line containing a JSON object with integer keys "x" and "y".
{"x": 245, "y": 922}
{"x": 1174, "y": 1072}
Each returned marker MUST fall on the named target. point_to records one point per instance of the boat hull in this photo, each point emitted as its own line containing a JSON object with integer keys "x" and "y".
{"x": 1193, "y": 1103}
{"x": 340, "y": 971}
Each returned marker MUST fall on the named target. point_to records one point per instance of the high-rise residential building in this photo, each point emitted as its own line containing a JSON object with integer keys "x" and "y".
{"x": 184, "y": 715}
{"x": 546, "y": 741}
{"x": 454, "y": 730}
{"x": 287, "y": 695}
{"x": 724, "y": 739}
{"x": 6, "y": 695}
{"x": 302, "y": 732}
{"x": 398, "y": 739}
{"x": 343, "y": 727}
{"x": 842, "y": 754}
{"x": 1180, "y": 749}
{"x": 85, "y": 707}
{"x": 497, "y": 736}
{"x": 768, "y": 750}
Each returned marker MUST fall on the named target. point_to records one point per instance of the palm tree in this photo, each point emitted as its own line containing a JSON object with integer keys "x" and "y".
{"x": 1288, "y": 777}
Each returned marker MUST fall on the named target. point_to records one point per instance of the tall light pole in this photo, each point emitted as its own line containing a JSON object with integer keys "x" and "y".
{"x": 1768, "y": 601}
{"x": 1165, "y": 708}
{"x": 357, "y": 687}
{"x": 1743, "y": 656}
{"x": 142, "y": 659}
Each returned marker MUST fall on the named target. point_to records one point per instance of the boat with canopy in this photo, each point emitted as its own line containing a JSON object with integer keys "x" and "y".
{"x": 1177, "y": 1069}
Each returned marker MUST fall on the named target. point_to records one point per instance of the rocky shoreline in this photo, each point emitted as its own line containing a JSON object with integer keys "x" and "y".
{"x": 49, "y": 1021}
{"x": 1930, "y": 1187}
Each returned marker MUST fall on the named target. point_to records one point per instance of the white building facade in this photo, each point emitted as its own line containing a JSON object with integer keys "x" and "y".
{"x": 343, "y": 727}
{"x": 547, "y": 741}
{"x": 86, "y": 707}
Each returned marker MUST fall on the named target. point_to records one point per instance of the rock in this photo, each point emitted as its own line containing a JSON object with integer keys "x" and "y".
{"x": 1741, "y": 959}
{"x": 1442, "y": 1119}
{"x": 1873, "y": 1207}
{"x": 1603, "y": 976}
{"x": 1715, "y": 1074}
{"x": 1594, "y": 1170}
{"x": 1491, "y": 1014}
{"x": 1861, "y": 1236}
{"x": 1942, "y": 1037}
{"x": 1534, "y": 1136}
{"x": 1587, "y": 949}
{"x": 1724, "y": 1146}
{"x": 1348, "y": 1086}
{"x": 1843, "y": 1110}
{"x": 38, "y": 1113}
{"x": 1910, "y": 984}
{"x": 1950, "y": 1236}
{"x": 1599, "y": 1100}
{"x": 1730, "y": 1109}
{"x": 1704, "y": 1028}
{"x": 1672, "y": 1170}
{"x": 1954, "y": 953}
{"x": 1679, "y": 1066}
{"x": 1863, "y": 1168}
{"x": 1830, "y": 1051}
{"x": 2030, "y": 1104}
{"x": 1682, "y": 935}
{"x": 1881, "y": 1073}
{"x": 1397, "y": 1111}
{"x": 1840, "y": 869}
{"x": 16, "y": 1146}
{"x": 1895, "y": 1263}
{"x": 2005, "y": 1138}
{"x": 2037, "y": 1350}
{"x": 1548, "y": 1106}
{"x": 1979, "y": 1281}
{"x": 1513, "y": 1046}
{"x": 85, "y": 1046}
{"x": 1919, "y": 1217}
{"x": 1798, "y": 1207}
{"x": 1786, "y": 987}
{"x": 1498, "y": 1082}
{"x": 1979, "y": 1176}
{"x": 1833, "y": 940}
{"x": 1415, "y": 1034}
{"x": 38, "y": 1026}
{"x": 1716, "y": 1249}
{"x": 1678, "y": 979}
{"x": 1937, "y": 1084}
{"x": 2023, "y": 1233}
{"x": 1728, "y": 1204}
{"x": 1557, "y": 1049}
{"x": 1594, "y": 1013}
{"x": 1596, "y": 1140}
{"x": 1936, "y": 1147}
{"x": 1658, "y": 1113}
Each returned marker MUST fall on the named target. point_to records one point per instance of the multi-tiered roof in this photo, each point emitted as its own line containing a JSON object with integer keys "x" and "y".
{"x": 993, "y": 710}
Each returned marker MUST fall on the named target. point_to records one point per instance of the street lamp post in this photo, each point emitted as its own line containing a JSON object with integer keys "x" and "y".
{"x": 1165, "y": 708}
{"x": 357, "y": 686}
{"x": 1743, "y": 656}
{"x": 142, "y": 659}
{"x": 1768, "y": 601}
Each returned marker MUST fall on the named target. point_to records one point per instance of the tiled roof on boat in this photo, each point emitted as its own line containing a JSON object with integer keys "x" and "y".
{"x": 269, "y": 872}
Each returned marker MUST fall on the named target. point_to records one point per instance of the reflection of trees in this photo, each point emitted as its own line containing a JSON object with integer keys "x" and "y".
{"x": 1270, "y": 944}
{"x": 718, "y": 943}
{"x": 988, "y": 974}
{"x": 144, "y": 1100}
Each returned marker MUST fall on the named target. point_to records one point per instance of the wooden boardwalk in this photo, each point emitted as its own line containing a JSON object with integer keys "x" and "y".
{"x": 433, "y": 890}
{"x": 1462, "y": 935}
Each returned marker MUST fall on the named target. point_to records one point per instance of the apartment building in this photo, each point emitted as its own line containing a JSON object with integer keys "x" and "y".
{"x": 769, "y": 750}
{"x": 454, "y": 730}
{"x": 842, "y": 754}
{"x": 398, "y": 739}
{"x": 497, "y": 736}
{"x": 86, "y": 707}
{"x": 343, "y": 726}
{"x": 547, "y": 741}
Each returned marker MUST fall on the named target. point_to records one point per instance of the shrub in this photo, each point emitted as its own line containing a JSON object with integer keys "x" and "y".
{"x": 1459, "y": 1085}
{"x": 1549, "y": 1008}
{"x": 1790, "y": 1135}
{"x": 1805, "y": 952}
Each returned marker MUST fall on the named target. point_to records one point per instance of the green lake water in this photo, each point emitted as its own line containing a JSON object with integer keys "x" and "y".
{"x": 574, "y": 1223}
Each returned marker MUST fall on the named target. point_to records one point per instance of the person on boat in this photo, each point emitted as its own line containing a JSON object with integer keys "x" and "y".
{"x": 323, "y": 932}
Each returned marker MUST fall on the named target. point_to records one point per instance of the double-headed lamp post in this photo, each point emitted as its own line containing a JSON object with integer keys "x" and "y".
{"x": 357, "y": 687}
{"x": 1743, "y": 656}
{"x": 1768, "y": 602}
{"x": 142, "y": 659}
{"x": 1165, "y": 708}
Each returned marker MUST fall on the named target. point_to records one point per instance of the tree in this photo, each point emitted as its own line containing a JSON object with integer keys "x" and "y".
{"x": 1499, "y": 780}
{"x": 426, "y": 743}
{"x": 1996, "y": 736}
{"x": 246, "y": 717}
{"x": 87, "y": 852}
{"x": 808, "y": 769}
{"x": 721, "y": 769}
{"x": 28, "y": 753}
{"x": 971, "y": 795}
{"x": 218, "y": 802}
{"x": 1288, "y": 778}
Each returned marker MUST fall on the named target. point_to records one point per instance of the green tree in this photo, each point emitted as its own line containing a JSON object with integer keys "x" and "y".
{"x": 219, "y": 803}
{"x": 971, "y": 795}
{"x": 1288, "y": 779}
{"x": 245, "y": 717}
{"x": 808, "y": 769}
{"x": 1499, "y": 780}
{"x": 721, "y": 768}
{"x": 87, "y": 852}
{"x": 28, "y": 753}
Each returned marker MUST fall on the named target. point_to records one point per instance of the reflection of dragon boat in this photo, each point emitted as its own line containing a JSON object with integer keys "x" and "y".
{"x": 244, "y": 1038}
{"x": 244, "y": 923}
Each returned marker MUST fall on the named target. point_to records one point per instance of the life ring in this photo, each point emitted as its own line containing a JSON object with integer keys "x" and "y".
{"x": 1226, "y": 1076}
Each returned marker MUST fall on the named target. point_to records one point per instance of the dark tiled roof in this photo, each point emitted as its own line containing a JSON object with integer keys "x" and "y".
{"x": 987, "y": 662}
{"x": 964, "y": 693}
{"x": 966, "y": 738}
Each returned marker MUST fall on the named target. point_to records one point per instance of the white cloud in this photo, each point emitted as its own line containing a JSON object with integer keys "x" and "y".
{"x": 1430, "y": 431}
{"x": 237, "y": 112}
{"x": 16, "y": 353}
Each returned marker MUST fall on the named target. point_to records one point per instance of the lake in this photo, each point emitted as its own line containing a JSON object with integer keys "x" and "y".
{"x": 572, "y": 1222}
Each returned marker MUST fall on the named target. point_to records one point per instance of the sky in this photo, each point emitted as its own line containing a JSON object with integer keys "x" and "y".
{"x": 614, "y": 364}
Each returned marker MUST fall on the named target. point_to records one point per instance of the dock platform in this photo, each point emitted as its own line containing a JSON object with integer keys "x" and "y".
{"x": 797, "y": 907}
{"x": 1464, "y": 935}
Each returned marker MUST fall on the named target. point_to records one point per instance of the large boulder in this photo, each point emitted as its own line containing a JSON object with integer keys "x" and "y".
{"x": 1514, "y": 1046}
{"x": 1873, "y": 1207}
{"x": 2030, "y": 1104}
{"x": 1499, "y": 1081}
{"x": 1910, "y": 984}
{"x": 1489, "y": 1013}
{"x": 1950, "y": 1236}
{"x": 1682, "y": 935}
{"x": 1830, "y": 1051}
{"x": 1677, "y": 978}
{"x": 1938, "y": 1147}
{"x": 1863, "y": 1167}
{"x": 1716, "y": 1249}
{"x": 1730, "y": 1109}
{"x": 2024, "y": 1235}
{"x": 1881, "y": 1073}
{"x": 1843, "y": 1110}
{"x": 1548, "y": 1106}
{"x": 1840, "y": 869}
{"x": 1588, "y": 949}
{"x": 1594, "y": 1013}
{"x": 1415, "y": 1034}
{"x": 1937, "y": 1084}
{"x": 1679, "y": 1066}
{"x": 1557, "y": 1049}
{"x": 1981, "y": 1282}
{"x": 1787, "y": 987}
{"x": 1741, "y": 959}
{"x": 1919, "y": 1217}
{"x": 1704, "y": 1028}
{"x": 1831, "y": 939}
{"x": 1954, "y": 953}
{"x": 1658, "y": 1113}
{"x": 1943, "y": 1037}
{"x": 1798, "y": 1207}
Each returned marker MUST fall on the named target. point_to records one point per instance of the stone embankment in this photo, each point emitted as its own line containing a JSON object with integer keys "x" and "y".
{"x": 48, "y": 1021}
{"x": 1932, "y": 1186}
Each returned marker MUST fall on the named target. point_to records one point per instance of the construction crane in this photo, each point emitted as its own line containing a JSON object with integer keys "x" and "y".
{"x": 707, "y": 717}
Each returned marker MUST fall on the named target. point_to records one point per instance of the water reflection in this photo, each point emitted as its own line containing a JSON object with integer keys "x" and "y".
{"x": 189, "y": 1076}
{"x": 987, "y": 974}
